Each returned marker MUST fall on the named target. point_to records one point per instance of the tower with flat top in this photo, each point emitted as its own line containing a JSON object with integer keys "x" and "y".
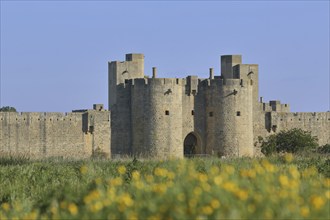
{"x": 175, "y": 117}
{"x": 158, "y": 118}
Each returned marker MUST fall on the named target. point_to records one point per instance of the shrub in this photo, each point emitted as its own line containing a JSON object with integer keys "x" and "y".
{"x": 7, "y": 109}
{"x": 325, "y": 149}
{"x": 290, "y": 141}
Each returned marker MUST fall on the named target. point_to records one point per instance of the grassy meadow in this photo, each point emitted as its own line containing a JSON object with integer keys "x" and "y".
{"x": 275, "y": 188}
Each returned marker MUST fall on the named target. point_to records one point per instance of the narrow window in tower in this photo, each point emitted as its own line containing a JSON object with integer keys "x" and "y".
{"x": 192, "y": 112}
{"x": 211, "y": 114}
{"x": 238, "y": 113}
{"x": 167, "y": 112}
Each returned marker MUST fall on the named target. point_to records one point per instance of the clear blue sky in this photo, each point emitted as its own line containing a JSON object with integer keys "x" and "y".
{"x": 54, "y": 54}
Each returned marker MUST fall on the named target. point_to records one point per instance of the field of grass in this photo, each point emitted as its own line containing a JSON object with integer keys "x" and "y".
{"x": 282, "y": 187}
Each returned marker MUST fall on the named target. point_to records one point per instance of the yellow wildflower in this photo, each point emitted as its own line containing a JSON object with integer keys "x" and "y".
{"x": 149, "y": 178}
{"x": 317, "y": 202}
{"x": 5, "y": 206}
{"x": 160, "y": 172}
{"x": 268, "y": 166}
{"x": 248, "y": 173}
{"x": 139, "y": 185}
{"x": 98, "y": 180}
{"x": 32, "y": 215}
{"x": 294, "y": 172}
{"x": 126, "y": 199}
{"x": 73, "y": 209}
{"x": 304, "y": 211}
{"x": 171, "y": 175}
{"x": 229, "y": 186}
{"x": 327, "y": 194}
{"x": 288, "y": 157}
{"x": 215, "y": 203}
{"x": 207, "y": 210}
{"x": 202, "y": 177}
{"x": 197, "y": 191}
{"x": 53, "y": 210}
{"x": 135, "y": 175}
{"x": 121, "y": 169}
{"x": 229, "y": 169}
{"x": 283, "y": 194}
{"x": 312, "y": 171}
{"x": 218, "y": 180}
{"x": 115, "y": 182}
{"x": 206, "y": 187}
{"x": 160, "y": 188}
{"x": 97, "y": 206}
{"x": 242, "y": 194}
{"x": 214, "y": 170}
{"x": 83, "y": 169}
{"x": 94, "y": 195}
{"x": 284, "y": 180}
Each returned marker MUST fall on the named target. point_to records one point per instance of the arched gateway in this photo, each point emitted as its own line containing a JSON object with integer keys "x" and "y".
{"x": 190, "y": 145}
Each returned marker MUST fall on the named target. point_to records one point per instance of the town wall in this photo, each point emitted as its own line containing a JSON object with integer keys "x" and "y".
{"x": 318, "y": 123}
{"x": 162, "y": 117}
{"x": 40, "y": 135}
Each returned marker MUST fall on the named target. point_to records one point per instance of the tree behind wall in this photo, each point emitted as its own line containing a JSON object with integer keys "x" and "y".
{"x": 290, "y": 141}
{"x": 7, "y": 109}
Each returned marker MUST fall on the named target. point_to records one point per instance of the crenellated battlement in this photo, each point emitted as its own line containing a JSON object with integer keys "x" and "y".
{"x": 55, "y": 134}
{"x": 40, "y": 116}
{"x": 194, "y": 83}
{"x": 162, "y": 117}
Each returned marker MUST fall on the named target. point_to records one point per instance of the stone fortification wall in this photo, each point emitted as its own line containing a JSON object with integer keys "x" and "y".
{"x": 228, "y": 107}
{"x": 119, "y": 71}
{"x": 157, "y": 117}
{"x": 193, "y": 112}
{"x": 316, "y": 122}
{"x": 121, "y": 126}
{"x": 237, "y": 117}
{"x": 40, "y": 135}
{"x": 211, "y": 91}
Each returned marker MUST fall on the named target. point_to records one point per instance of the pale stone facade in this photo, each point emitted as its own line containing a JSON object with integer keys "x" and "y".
{"x": 79, "y": 134}
{"x": 162, "y": 117}
{"x": 222, "y": 115}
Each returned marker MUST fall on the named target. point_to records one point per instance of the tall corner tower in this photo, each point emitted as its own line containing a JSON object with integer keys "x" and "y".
{"x": 118, "y": 72}
{"x": 236, "y": 108}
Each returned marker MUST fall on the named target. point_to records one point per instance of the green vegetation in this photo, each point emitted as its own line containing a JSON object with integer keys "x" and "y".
{"x": 285, "y": 187}
{"x": 292, "y": 141}
{"x": 325, "y": 149}
{"x": 7, "y": 109}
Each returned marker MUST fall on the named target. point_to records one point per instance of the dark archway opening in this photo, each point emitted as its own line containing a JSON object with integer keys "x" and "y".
{"x": 190, "y": 145}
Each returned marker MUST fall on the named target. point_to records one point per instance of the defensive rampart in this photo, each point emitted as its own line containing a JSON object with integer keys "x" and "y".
{"x": 318, "y": 123}
{"x": 69, "y": 135}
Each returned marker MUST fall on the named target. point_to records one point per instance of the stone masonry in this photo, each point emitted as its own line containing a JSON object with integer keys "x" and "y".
{"x": 161, "y": 117}
{"x": 220, "y": 115}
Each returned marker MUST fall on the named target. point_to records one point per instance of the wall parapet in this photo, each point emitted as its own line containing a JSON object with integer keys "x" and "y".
{"x": 54, "y": 134}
